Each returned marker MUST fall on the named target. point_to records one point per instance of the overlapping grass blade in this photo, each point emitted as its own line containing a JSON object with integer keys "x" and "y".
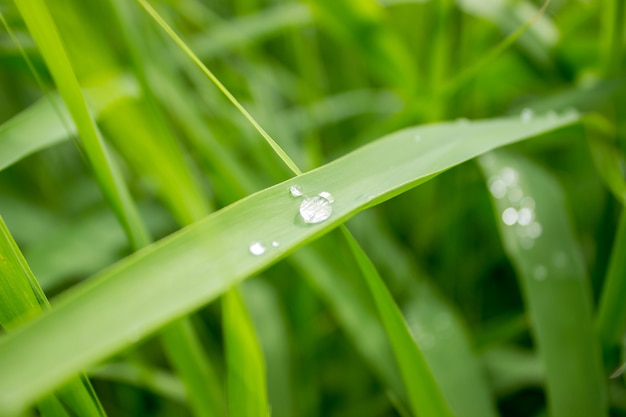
{"x": 21, "y": 300}
{"x": 46, "y": 35}
{"x": 533, "y": 221}
{"x": 424, "y": 395}
{"x": 190, "y": 268}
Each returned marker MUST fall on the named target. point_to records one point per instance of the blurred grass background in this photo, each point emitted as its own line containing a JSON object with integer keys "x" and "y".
{"x": 323, "y": 78}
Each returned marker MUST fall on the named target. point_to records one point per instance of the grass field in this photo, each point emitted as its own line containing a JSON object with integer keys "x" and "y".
{"x": 355, "y": 208}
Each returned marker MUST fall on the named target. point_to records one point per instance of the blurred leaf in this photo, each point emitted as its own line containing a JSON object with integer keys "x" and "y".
{"x": 21, "y": 300}
{"x": 536, "y": 233}
{"x": 247, "y": 390}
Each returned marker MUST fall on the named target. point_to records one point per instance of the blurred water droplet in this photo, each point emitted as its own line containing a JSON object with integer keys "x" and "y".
{"x": 295, "y": 191}
{"x": 540, "y": 273}
{"x": 417, "y": 138}
{"x": 275, "y": 244}
{"x": 315, "y": 209}
{"x": 526, "y": 115}
{"x": 462, "y": 121}
{"x": 257, "y": 248}
{"x": 528, "y": 202}
{"x": 534, "y": 230}
{"x": 509, "y": 216}
{"x": 497, "y": 187}
{"x": 328, "y": 196}
{"x": 509, "y": 176}
{"x": 525, "y": 216}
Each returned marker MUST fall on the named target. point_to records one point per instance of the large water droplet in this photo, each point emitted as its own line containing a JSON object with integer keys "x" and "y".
{"x": 295, "y": 191}
{"x": 315, "y": 209}
{"x": 526, "y": 115}
{"x": 257, "y": 248}
{"x": 509, "y": 216}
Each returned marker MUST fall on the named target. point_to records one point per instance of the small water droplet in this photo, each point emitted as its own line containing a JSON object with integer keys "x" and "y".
{"x": 275, "y": 244}
{"x": 526, "y": 115}
{"x": 534, "y": 230}
{"x": 257, "y": 248}
{"x": 525, "y": 216}
{"x": 528, "y": 202}
{"x": 315, "y": 209}
{"x": 540, "y": 273}
{"x": 328, "y": 196}
{"x": 497, "y": 187}
{"x": 417, "y": 138}
{"x": 295, "y": 191}
{"x": 509, "y": 176}
{"x": 509, "y": 216}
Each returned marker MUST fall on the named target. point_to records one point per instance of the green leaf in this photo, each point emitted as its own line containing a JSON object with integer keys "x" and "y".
{"x": 247, "y": 389}
{"x": 188, "y": 269}
{"x": 424, "y": 394}
{"x": 21, "y": 299}
{"x": 535, "y": 228}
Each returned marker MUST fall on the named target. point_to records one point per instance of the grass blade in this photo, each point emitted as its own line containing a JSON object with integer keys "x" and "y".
{"x": 247, "y": 390}
{"x": 542, "y": 247}
{"x": 43, "y": 29}
{"x": 21, "y": 299}
{"x": 190, "y": 268}
{"x": 423, "y": 392}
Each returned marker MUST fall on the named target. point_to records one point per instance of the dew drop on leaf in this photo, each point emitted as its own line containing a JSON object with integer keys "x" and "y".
{"x": 257, "y": 248}
{"x": 315, "y": 209}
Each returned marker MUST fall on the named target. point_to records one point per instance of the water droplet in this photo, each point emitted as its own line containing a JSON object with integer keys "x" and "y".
{"x": 328, "y": 196}
{"x": 526, "y": 115}
{"x": 417, "y": 138}
{"x": 540, "y": 273}
{"x": 534, "y": 230}
{"x": 527, "y": 243}
{"x": 509, "y": 176}
{"x": 525, "y": 216}
{"x": 275, "y": 244}
{"x": 497, "y": 187}
{"x": 528, "y": 202}
{"x": 257, "y": 248}
{"x": 509, "y": 216}
{"x": 295, "y": 191}
{"x": 315, "y": 209}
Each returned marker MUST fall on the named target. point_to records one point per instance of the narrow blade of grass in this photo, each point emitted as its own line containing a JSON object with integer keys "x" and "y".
{"x": 534, "y": 225}
{"x": 21, "y": 300}
{"x": 43, "y": 29}
{"x": 423, "y": 393}
{"x": 190, "y": 268}
{"x": 247, "y": 389}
